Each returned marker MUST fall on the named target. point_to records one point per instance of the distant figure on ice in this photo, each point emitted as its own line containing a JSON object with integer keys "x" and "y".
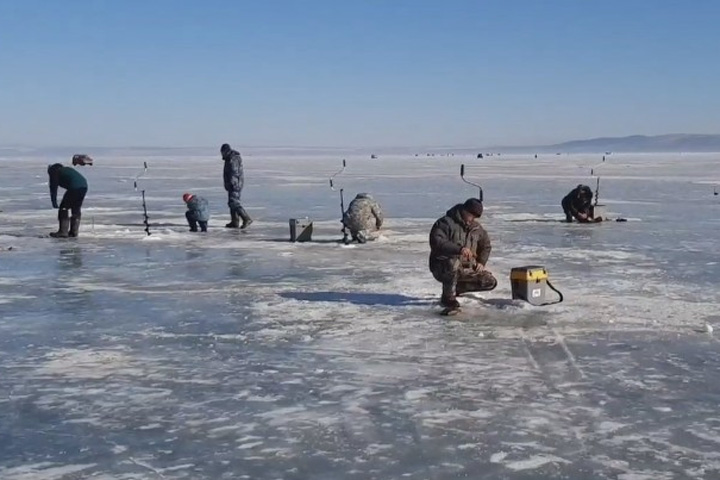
{"x": 578, "y": 204}
{"x": 363, "y": 217}
{"x": 76, "y": 188}
{"x": 459, "y": 250}
{"x": 82, "y": 160}
{"x": 197, "y": 212}
{"x": 234, "y": 181}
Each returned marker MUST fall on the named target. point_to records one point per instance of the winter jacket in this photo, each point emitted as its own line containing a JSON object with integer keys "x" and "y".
{"x": 450, "y": 234}
{"x": 67, "y": 178}
{"x": 233, "y": 172}
{"x": 578, "y": 201}
{"x": 363, "y": 213}
{"x": 199, "y": 208}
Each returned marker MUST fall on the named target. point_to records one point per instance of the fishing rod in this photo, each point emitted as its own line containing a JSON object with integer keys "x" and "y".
{"x": 462, "y": 176}
{"x": 346, "y": 237}
{"x": 146, "y": 218}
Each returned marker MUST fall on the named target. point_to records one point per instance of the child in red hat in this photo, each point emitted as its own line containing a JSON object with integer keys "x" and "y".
{"x": 197, "y": 212}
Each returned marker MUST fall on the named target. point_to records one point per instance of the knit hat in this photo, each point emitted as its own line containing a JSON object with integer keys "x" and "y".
{"x": 187, "y": 197}
{"x": 474, "y": 207}
{"x": 225, "y": 149}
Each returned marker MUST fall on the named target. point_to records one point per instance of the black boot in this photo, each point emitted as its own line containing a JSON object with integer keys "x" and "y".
{"x": 448, "y": 299}
{"x": 245, "y": 218}
{"x": 234, "y": 220}
{"x": 203, "y": 226}
{"x": 74, "y": 226}
{"x": 64, "y": 225}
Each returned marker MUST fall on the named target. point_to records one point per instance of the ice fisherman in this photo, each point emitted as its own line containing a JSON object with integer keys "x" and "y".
{"x": 234, "y": 181}
{"x": 578, "y": 204}
{"x": 76, "y": 188}
{"x": 197, "y": 212}
{"x": 363, "y": 218}
{"x": 459, "y": 251}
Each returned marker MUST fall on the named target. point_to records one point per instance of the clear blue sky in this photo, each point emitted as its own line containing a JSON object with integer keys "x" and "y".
{"x": 355, "y": 72}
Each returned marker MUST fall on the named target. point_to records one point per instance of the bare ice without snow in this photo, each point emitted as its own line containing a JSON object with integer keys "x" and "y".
{"x": 243, "y": 356}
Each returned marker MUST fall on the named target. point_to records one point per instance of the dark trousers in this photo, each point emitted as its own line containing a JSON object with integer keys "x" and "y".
{"x": 193, "y": 222}
{"x": 72, "y": 200}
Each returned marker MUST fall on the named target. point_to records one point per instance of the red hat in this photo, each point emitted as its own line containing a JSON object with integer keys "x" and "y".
{"x": 187, "y": 197}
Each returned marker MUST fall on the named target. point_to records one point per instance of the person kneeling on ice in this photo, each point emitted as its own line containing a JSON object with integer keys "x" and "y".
{"x": 76, "y": 188}
{"x": 197, "y": 212}
{"x": 459, "y": 250}
{"x": 363, "y": 217}
{"x": 578, "y": 204}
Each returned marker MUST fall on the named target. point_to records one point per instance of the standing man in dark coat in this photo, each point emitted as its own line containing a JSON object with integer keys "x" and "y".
{"x": 76, "y": 188}
{"x": 459, "y": 250}
{"x": 578, "y": 204}
{"x": 234, "y": 180}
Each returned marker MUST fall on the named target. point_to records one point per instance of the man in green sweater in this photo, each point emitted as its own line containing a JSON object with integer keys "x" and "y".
{"x": 75, "y": 187}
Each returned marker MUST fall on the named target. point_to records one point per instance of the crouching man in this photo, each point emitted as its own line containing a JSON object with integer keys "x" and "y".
{"x": 363, "y": 217}
{"x": 197, "y": 212}
{"x": 578, "y": 205}
{"x": 459, "y": 250}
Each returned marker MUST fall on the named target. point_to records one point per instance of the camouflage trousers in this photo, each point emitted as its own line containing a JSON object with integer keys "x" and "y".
{"x": 234, "y": 200}
{"x": 458, "y": 278}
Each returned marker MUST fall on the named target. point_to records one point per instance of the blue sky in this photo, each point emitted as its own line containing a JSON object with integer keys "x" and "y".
{"x": 354, "y": 73}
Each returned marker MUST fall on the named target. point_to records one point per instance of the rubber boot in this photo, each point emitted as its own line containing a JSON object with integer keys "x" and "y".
{"x": 246, "y": 220}
{"x": 234, "y": 220}
{"x": 64, "y": 227}
{"x": 448, "y": 299}
{"x": 203, "y": 226}
{"x": 74, "y": 226}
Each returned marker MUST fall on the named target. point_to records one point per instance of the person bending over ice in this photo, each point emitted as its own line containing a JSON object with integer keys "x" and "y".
{"x": 459, "y": 250}
{"x": 363, "y": 217}
{"x": 578, "y": 204}
{"x": 76, "y": 188}
{"x": 197, "y": 212}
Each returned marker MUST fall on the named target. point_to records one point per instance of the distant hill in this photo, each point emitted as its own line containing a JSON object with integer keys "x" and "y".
{"x": 640, "y": 143}
{"x": 672, "y": 143}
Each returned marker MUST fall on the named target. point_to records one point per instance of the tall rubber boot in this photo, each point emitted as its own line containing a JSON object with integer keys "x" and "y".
{"x": 245, "y": 218}
{"x": 74, "y": 226}
{"x": 234, "y": 220}
{"x": 448, "y": 299}
{"x": 64, "y": 225}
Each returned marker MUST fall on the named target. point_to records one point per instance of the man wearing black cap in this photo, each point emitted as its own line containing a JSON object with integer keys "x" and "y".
{"x": 76, "y": 188}
{"x": 459, "y": 249}
{"x": 234, "y": 179}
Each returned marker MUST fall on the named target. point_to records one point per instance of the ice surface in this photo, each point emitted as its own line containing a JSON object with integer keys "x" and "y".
{"x": 241, "y": 355}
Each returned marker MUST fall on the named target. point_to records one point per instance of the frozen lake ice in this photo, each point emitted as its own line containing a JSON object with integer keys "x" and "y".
{"x": 241, "y": 355}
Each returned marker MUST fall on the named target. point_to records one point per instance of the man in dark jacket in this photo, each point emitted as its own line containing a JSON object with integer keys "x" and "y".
{"x": 234, "y": 180}
{"x": 459, "y": 250}
{"x": 76, "y": 188}
{"x": 578, "y": 204}
{"x": 197, "y": 212}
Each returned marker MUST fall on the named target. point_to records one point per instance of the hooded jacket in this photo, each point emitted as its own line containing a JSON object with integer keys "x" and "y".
{"x": 450, "y": 234}
{"x": 363, "y": 213}
{"x": 233, "y": 172}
